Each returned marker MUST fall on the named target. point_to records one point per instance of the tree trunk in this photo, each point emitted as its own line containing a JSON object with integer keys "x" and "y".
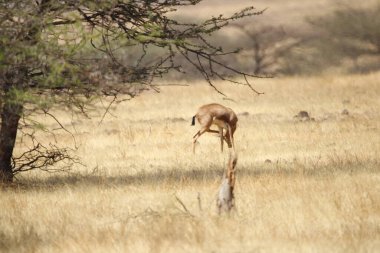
{"x": 10, "y": 116}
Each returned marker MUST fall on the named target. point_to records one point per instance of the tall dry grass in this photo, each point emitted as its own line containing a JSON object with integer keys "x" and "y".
{"x": 142, "y": 190}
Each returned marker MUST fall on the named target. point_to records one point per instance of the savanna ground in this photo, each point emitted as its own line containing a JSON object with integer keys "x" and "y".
{"x": 142, "y": 189}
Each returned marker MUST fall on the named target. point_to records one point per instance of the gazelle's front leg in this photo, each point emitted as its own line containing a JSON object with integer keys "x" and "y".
{"x": 221, "y": 137}
{"x": 229, "y": 137}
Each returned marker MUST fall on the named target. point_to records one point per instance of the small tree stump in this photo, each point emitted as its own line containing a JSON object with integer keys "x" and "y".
{"x": 225, "y": 199}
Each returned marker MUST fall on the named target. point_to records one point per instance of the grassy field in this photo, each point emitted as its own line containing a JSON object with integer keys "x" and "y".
{"x": 142, "y": 190}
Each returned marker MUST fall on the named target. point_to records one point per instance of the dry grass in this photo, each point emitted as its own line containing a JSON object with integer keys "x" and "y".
{"x": 143, "y": 190}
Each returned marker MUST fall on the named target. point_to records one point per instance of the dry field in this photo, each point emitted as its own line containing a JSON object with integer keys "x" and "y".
{"x": 142, "y": 190}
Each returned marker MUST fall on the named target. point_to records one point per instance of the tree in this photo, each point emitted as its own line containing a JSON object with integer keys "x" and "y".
{"x": 65, "y": 53}
{"x": 268, "y": 45}
{"x": 349, "y": 32}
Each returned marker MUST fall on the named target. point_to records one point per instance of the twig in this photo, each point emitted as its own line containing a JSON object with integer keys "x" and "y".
{"x": 182, "y": 204}
{"x": 107, "y": 109}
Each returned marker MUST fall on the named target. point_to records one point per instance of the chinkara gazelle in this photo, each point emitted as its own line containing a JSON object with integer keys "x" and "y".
{"x": 219, "y": 115}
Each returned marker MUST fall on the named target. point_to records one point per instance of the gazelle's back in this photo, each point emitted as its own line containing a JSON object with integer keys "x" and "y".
{"x": 218, "y": 111}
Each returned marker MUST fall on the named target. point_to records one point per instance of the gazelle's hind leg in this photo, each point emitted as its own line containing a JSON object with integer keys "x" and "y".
{"x": 197, "y": 135}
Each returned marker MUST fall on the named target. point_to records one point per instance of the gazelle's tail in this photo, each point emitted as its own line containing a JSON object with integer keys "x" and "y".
{"x": 193, "y": 121}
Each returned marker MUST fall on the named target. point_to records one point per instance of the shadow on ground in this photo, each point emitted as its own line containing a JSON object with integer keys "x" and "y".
{"x": 195, "y": 175}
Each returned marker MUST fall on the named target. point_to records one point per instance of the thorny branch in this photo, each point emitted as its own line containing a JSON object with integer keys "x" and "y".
{"x": 153, "y": 28}
{"x": 41, "y": 157}
{"x": 78, "y": 51}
